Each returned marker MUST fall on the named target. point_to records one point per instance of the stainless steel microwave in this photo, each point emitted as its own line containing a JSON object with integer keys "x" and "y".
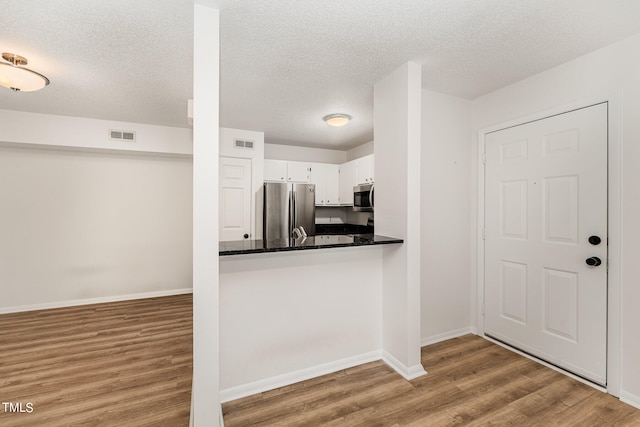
{"x": 363, "y": 198}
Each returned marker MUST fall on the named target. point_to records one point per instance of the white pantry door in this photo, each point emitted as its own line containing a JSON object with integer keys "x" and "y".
{"x": 545, "y": 210}
{"x": 235, "y": 198}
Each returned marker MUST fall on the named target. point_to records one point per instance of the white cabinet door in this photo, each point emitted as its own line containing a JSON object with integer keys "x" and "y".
{"x": 546, "y": 234}
{"x": 298, "y": 171}
{"x": 326, "y": 177}
{"x": 275, "y": 170}
{"x": 317, "y": 177}
{"x": 332, "y": 184}
{"x": 364, "y": 170}
{"x": 235, "y": 198}
{"x": 347, "y": 182}
{"x": 283, "y": 171}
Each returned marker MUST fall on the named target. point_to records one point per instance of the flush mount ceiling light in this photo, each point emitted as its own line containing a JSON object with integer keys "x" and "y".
{"x": 17, "y": 78}
{"x": 337, "y": 119}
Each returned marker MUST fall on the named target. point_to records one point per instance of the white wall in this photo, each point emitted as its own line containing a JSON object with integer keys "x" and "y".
{"x": 445, "y": 206}
{"x": 227, "y": 147}
{"x": 318, "y": 155}
{"x": 82, "y": 225}
{"x": 611, "y": 73}
{"x": 289, "y": 316}
{"x": 82, "y": 133}
{"x": 397, "y": 125}
{"x": 303, "y": 154}
{"x": 360, "y": 151}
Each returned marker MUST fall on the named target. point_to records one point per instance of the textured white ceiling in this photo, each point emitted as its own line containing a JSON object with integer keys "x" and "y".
{"x": 112, "y": 59}
{"x": 287, "y": 63}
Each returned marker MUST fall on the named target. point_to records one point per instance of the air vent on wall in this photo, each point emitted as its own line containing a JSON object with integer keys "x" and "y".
{"x": 239, "y": 143}
{"x": 122, "y": 135}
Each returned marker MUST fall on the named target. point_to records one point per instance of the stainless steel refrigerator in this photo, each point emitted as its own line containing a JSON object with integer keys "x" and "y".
{"x": 289, "y": 210}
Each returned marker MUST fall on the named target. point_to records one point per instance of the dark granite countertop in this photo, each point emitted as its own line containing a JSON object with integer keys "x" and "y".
{"x": 335, "y": 228}
{"x": 242, "y": 247}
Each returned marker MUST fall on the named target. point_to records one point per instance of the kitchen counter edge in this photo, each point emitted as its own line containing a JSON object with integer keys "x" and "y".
{"x": 244, "y": 247}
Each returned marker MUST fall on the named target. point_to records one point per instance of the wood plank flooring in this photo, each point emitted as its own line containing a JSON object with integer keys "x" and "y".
{"x": 116, "y": 364}
{"x": 130, "y": 363}
{"x": 470, "y": 381}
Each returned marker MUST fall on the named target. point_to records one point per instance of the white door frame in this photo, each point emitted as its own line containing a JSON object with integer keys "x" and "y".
{"x": 614, "y": 223}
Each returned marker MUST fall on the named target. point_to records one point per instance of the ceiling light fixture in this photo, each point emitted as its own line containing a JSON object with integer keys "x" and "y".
{"x": 17, "y": 78}
{"x": 337, "y": 119}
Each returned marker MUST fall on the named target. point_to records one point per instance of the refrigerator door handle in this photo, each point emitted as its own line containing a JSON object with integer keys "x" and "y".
{"x": 292, "y": 212}
{"x": 296, "y": 234}
{"x": 294, "y": 222}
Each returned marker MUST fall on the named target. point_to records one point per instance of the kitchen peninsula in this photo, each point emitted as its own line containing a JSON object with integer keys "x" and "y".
{"x": 244, "y": 247}
{"x": 290, "y": 312}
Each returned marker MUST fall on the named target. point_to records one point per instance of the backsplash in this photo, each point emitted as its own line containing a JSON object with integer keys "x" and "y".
{"x": 341, "y": 215}
{"x": 359, "y": 218}
{"x": 331, "y": 214}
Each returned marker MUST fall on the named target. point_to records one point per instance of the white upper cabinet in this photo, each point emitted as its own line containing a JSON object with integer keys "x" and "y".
{"x": 364, "y": 170}
{"x": 298, "y": 171}
{"x": 347, "y": 182}
{"x": 283, "y": 171}
{"x": 275, "y": 170}
{"x": 332, "y": 180}
{"x": 334, "y": 183}
{"x": 326, "y": 177}
{"x": 317, "y": 177}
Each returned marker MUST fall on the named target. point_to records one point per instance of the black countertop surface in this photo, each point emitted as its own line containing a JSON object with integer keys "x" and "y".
{"x": 242, "y": 247}
{"x": 335, "y": 228}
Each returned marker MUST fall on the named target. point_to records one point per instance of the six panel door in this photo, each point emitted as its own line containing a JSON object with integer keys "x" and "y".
{"x": 545, "y": 196}
{"x": 235, "y": 198}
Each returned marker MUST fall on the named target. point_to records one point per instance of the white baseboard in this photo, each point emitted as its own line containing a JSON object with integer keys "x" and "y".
{"x": 266, "y": 384}
{"x": 408, "y": 372}
{"x": 630, "y": 399}
{"x": 112, "y": 298}
{"x": 446, "y": 336}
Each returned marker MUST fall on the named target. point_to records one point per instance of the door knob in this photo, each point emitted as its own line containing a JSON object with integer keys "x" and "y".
{"x": 595, "y": 240}
{"x": 246, "y": 236}
{"x": 594, "y": 261}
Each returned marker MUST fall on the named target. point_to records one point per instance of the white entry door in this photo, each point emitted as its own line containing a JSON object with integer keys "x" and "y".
{"x": 546, "y": 239}
{"x": 235, "y": 198}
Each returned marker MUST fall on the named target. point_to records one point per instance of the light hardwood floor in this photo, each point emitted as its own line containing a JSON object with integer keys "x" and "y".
{"x": 470, "y": 381}
{"x": 116, "y": 364}
{"x": 130, "y": 363}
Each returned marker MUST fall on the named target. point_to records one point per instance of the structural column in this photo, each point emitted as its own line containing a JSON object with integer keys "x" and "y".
{"x": 205, "y": 409}
{"x": 397, "y": 125}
